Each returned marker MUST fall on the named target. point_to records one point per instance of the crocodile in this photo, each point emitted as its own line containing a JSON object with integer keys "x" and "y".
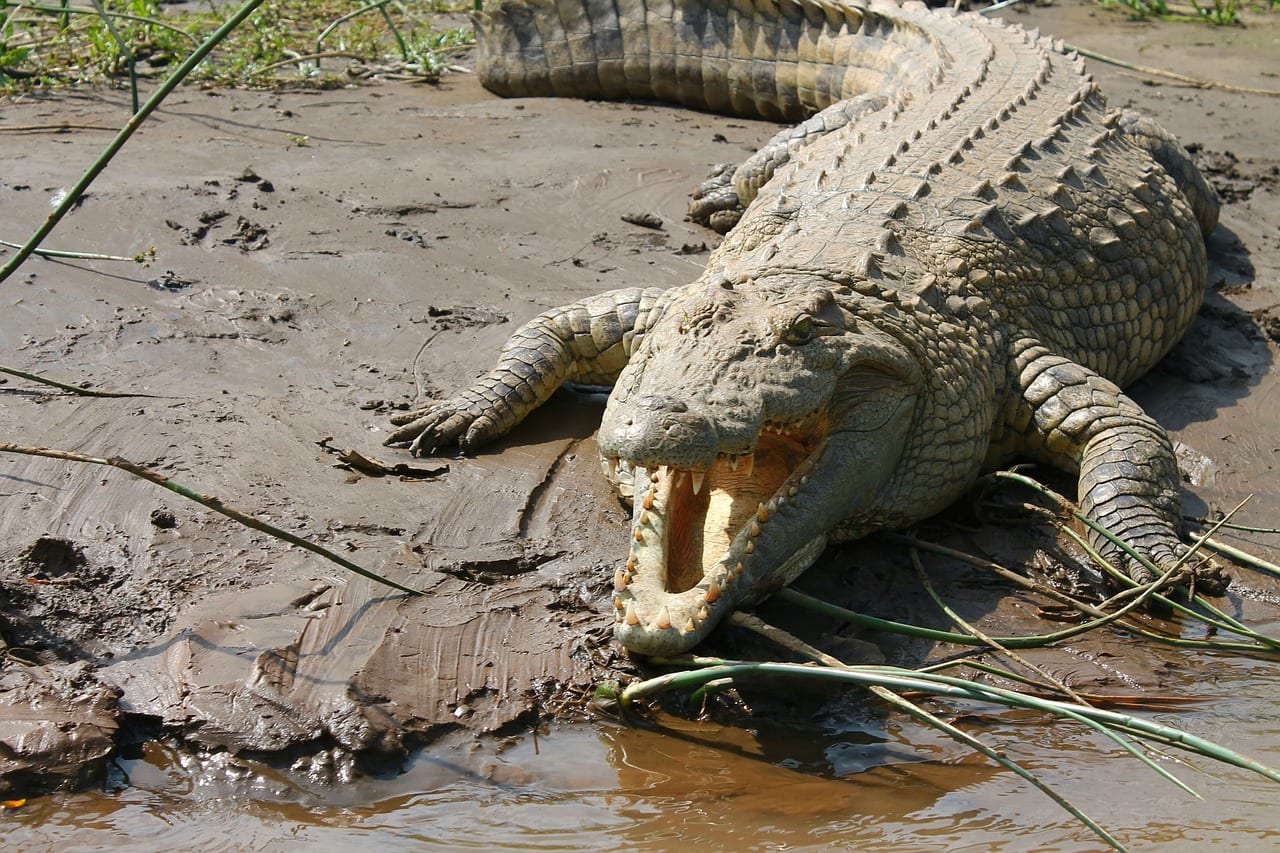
{"x": 954, "y": 255}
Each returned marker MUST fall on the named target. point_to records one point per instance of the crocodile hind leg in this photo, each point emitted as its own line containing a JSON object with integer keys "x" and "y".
{"x": 722, "y": 198}
{"x": 1073, "y": 418}
{"x": 587, "y": 342}
{"x": 1176, "y": 161}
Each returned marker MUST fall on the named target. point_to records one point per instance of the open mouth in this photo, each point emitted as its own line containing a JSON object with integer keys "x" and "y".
{"x": 697, "y": 535}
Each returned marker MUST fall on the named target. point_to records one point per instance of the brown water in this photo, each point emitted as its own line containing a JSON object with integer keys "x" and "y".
{"x": 848, "y": 779}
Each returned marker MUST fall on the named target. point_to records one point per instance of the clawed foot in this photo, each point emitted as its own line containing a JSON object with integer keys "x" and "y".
{"x": 440, "y": 424}
{"x": 1199, "y": 572}
{"x": 715, "y": 202}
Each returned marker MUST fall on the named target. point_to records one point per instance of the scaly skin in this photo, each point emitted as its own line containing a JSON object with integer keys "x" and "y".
{"x": 956, "y": 258}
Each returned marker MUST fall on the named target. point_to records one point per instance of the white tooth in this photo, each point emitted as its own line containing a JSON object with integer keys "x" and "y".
{"x": 748, "y": 464}
{"x": 679, "y": 479}
{"x": 733, "y": 463}
{"x": 697, "y": 477}
{"x": 713, "y": 591}
{"x": 631, "y": 617}
{"x": 663, "y": 472}
{"x": 619, "y": 580}
{"x": 689, "y": 627}
{"x": 663, "y": 621}
{"x": 644, "y": 517}
{"x": 613, "y": 464}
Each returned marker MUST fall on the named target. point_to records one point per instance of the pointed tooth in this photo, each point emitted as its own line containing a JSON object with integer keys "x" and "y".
{"x": 617, "y": 605}
{"x": 748, "y": 464}
{"x": 762, "y": 514}
{"x": 663, "y": 472}
{"x": 644, "y": 517}
{"x": 755, "y": 529}
{"x": 733, "y": 463}
{"x": 697, "y": 478}
{"x": 679, "y": 481}
{"x": 751, "y": 546}
{"x": 631, "y": 618}
{"x": 647, "y": 503}
{"x": 689, "y": 626}
{"x": 737, "y": 570}
{"x": 703, "y": 614}
{"x": 619, "y": 580}
{"x": 613, "y": 464}
{"x": 640, "y": 536}
{"x": 713, "y": 591}
{"x": 663, "y": 621}
{"x": 792, "y": 492}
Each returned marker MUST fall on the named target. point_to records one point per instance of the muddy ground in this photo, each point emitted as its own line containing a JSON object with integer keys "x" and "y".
{"x": 325, "y": 259}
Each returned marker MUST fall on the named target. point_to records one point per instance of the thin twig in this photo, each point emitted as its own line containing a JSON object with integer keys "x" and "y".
{"x": 209, "y": 501}
{"x": 52, "y": 128}
{"x": 144, "y": 258}
{"x": 1170, "y": 75}
{"x": 72, "y": 389}
{"x": 1236, "y": 554}
{"x": 297, "y": 60}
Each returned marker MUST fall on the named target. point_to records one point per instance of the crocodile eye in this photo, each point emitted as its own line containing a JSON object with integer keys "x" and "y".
{"x": 801, "y": 331}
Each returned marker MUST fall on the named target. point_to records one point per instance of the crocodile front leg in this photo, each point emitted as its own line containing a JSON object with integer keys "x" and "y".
{"x": 1075, "y": 419}
{"x": 587, "y": 342}
{"x": 722, "y": 198}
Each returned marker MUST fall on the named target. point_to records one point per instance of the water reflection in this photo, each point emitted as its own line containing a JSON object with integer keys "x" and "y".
{"x": 847, "y": 778}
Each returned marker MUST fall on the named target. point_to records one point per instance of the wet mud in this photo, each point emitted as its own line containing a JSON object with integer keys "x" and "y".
{"x": 325, "y": 260}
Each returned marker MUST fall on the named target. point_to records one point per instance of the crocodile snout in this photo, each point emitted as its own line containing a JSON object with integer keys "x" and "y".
{"x": 658, "y": 430}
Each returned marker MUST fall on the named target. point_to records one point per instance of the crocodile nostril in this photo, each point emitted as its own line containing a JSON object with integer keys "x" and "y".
{"x": 662, "y": 403}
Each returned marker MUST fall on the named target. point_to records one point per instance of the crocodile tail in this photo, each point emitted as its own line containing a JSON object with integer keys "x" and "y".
{"x": 781, "y": 60}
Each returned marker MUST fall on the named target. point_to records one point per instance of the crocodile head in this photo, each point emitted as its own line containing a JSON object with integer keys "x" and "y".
{"x": 754, "y": 418}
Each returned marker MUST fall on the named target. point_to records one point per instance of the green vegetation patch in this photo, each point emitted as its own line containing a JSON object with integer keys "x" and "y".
{"x": 319, "y": 43}
{"x": 1217, "y": 12}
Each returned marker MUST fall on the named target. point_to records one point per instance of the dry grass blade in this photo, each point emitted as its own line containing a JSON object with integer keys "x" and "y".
{"x": 71, "y": 389}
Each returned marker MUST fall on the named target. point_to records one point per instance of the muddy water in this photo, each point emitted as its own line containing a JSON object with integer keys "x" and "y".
{"x": 848, "y": 780}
